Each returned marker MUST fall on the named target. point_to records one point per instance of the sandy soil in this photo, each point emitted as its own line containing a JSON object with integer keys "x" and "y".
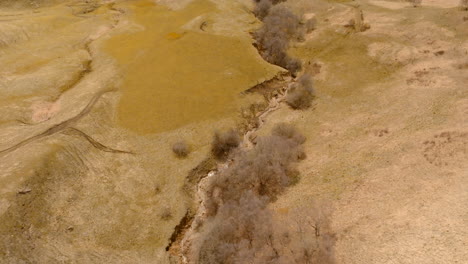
{"x": 387, "y": 137}
{"x": 388, "y": 143}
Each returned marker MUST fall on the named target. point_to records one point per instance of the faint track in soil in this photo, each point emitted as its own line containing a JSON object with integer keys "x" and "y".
{"x": 58, "y": 127}
{"x": 67, "y": 123}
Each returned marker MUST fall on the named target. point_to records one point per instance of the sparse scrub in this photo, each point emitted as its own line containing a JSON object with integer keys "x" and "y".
{"x": 249, "y": 232}
{"x": 292, "y": 64}
{"x": 181, "y": 149}
{"x": 309, "y": 24}
{"x": 415, "y": 3}
{"x": 464, "y": 5}
{"x": 266, "y": 170}
{"x": 300, "y": 96}
{"x": 288, "y": 131}
{"x": 279, "y": 27}
{"x": 358, "y": 23}
{"x": 262, "y": 8}
{"x": 223, "y": 143}
{"x": 241, "y": 228}
{"x": 274, "y": 2}
{"x": 238, "y": 233}
{"x": 166, "y": 214}
{"x": 308, "y": 238}
{"x": 306, "y": 25}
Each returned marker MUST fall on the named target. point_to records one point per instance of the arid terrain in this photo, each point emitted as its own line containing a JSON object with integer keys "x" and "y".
{"x": 94, "y": 94}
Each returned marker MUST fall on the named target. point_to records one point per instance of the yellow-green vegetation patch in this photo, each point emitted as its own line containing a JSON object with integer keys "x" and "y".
{"x": 345, "y": 55}
{"x": 175, "y": 76}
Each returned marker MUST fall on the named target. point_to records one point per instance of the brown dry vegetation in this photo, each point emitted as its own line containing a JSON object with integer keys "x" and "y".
{"x": 301, "y": 93}
{"x": 280, "y": 26}
{"x": 181, "y": 149}
{"x": 240, "y": 227}
{"x": 223, "y": 143}
{"x": 464, "y": 4}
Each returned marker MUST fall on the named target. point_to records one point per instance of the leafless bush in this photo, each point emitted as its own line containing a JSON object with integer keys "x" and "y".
{"x": 279, "y": 27}
{"x": 280, "y": 23}
{"x": 242, "y": 229}
{"x": 306, "y": 25}
{"x": 358, "y": 23}
{"x": 310, "y": 24}
{"x": 292, "y": 64}
{"x": 166, "y": 214}
{"x": 247, "y": 231}
{"x": 415, "y": 3}
{"x": 307, "y": 238}
{"x": 235, "y": 234}
{"x": 181, "y": 149}
{"x": 266, "y": 170}
{"x": 262, "y": 8}
{"x": 274, "y": 2}
{"x": 464, "y": 4}
{"x": 301, "y": 94}
{"x": 223, "y": 143}
{"x": 288, "y": 131}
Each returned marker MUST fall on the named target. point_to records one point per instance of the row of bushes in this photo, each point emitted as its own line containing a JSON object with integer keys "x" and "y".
{"x": 240, "y": 228}
{"x": 280, "y": 27}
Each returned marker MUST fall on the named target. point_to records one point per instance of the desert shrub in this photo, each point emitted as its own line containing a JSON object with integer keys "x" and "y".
{"x": 293, "y": 65}
{"x": 310, "y": 24}
{"x": 464, "y": 4}
{"x": 223, "y": 143}
{"x": 306, "y": 25}
{"x": 279, "y": 27}
{"x": 415, "y": 3}
{"x": 237, "y": 233}
{"x": 240, "y": 228}
{"x": 262, "y": 8}
{"x": 281, "y": 24}
{"x": 289, "y": 132}
{"x": 301, "y": 94}
{"x": 265, "y": 170}
{"x": 166, "y": 214}
{"x": 308, "y": 237}
{"x": 247, "y": 231}
{"x": 274, "y": 2}
{"x": 181, "y": 149}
